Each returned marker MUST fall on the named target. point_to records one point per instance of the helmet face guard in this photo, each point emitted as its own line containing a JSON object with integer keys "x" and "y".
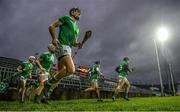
{"x": 32, "y": 58}
{"x": 97, "y": 62}
{"x": 126, "y": 59}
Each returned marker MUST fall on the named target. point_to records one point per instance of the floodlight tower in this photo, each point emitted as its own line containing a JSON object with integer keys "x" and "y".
{"x": 162, "y": 35}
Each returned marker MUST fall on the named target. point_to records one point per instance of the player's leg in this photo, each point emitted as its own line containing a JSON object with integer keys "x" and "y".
{"x": 127, "y": 88}
{"x": 48, "y": 93}
{"x": 65, "y": 63}
{"x": 19, "y": 88}
{"x": 39, "y": 89}
{"x": 22, "y": 89}
{"x": 65, "y": 68}
{"x": 69, "y": 67}
{"x": 91, "y": 88}
{"x": 53, "y": 80}
{"x": 118, "y": 88}
{"x": 122, "y": 93}
{"x": 97, "y": 89}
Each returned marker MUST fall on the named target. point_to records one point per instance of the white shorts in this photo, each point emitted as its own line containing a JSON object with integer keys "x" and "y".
{"x": 45, "y": 75}
{"x": 63, "y": 50}
{"x": 121, "y": 78}
{"x": 22, "y": 79}
{"x": 95, "y": 82}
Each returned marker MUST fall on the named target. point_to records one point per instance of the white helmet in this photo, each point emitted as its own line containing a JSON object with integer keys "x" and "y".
{"x": 32, "y": 57}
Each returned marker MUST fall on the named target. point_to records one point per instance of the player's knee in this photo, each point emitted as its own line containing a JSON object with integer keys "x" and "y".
{"x": 118, "y": 89}
{"x": 41, "y": 84}
{"x": 23, "y": 89}
{"x": 71, "y": 70}
{"x": 97, "y": 88}
{"x": 128, "y": 85}
{"x": 93, "y": 88}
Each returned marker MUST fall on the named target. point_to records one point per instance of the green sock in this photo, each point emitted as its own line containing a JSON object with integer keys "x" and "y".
{"x": 126, "y": 94}
{"x": 52, "y": 80}
{"x": 50, "y": 92}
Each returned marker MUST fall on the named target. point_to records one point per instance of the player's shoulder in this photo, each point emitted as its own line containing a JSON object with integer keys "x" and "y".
{"x": 124, "y": 62}
{"x": 94, "y": 65}
{"x": 25, "y": 62}
{"x": 65, "y": 17}
{"x": 44, "y": 53}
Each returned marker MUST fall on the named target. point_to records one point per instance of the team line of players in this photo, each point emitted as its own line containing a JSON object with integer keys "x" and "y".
{"x": 60, "y": 48}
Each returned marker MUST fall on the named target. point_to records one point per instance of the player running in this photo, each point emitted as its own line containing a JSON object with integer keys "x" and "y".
{"x": 24, "y": 70}
{"x": 94, "y": 77}
{"x": 67, "y": 38}
{"x": 123, "y": 70}
{"x": 44, "y": 63}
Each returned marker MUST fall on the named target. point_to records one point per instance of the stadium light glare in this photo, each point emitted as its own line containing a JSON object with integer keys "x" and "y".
{"x": 162, "y": 34}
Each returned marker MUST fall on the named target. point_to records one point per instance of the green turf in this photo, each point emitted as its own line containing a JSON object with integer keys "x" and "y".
{"x": 138, "y": 103}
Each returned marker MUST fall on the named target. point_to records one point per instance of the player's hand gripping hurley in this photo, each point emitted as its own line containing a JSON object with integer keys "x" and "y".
{"x": 86, "y": 37}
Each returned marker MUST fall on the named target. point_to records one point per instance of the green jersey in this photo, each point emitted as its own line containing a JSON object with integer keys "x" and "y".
{"x": 124, "y": 68}
{"x": 95, "y": 72}
{"x": 28, "y": 69}
{"x": 47, "y": 59}
{"x": 68, "y": 31}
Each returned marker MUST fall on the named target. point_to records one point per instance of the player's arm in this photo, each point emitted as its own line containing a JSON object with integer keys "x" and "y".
{"x": 30, "y": 75}
{"x": 52, "y": 31}
{"x": 132, "y": 69}
{"x": 86, "y": 37}
{"x": 77, "y": 44}
{"x": 38, "y": 63}
{"x": 129, "y": 69}
{"x": 19, "y": 69}
{"x": 126, "y": 67}
{"x": 89, "y": 71}
{"x": 99, "y": 72}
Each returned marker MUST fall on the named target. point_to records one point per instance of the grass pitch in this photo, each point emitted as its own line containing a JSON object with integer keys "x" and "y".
{"x": 138, "y": 103}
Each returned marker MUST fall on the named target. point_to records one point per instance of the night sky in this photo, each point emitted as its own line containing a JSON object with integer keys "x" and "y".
{"x": 120, "y": 28}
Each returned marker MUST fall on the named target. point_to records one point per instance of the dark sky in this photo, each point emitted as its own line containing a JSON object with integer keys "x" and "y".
{"x": 120, "y": 28}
